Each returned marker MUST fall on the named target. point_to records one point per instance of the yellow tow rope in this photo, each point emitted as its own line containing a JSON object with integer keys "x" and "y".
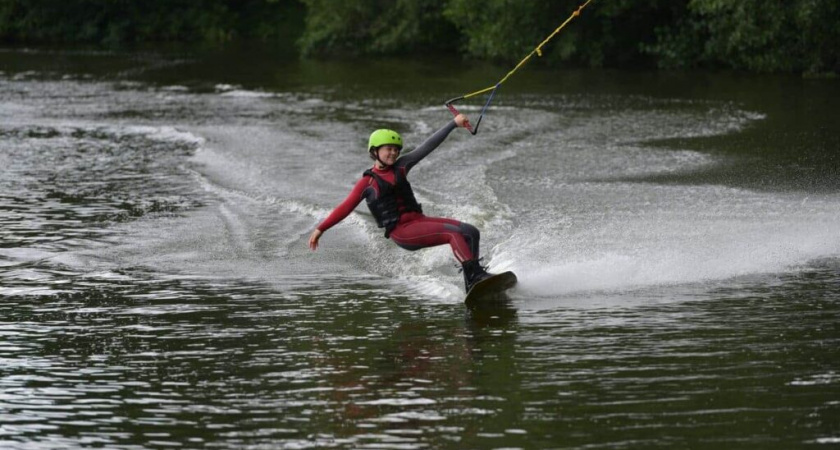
{"x": 492, "y": 89}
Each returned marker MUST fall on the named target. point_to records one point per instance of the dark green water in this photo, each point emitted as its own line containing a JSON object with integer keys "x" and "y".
{"x": 675, "y": 237}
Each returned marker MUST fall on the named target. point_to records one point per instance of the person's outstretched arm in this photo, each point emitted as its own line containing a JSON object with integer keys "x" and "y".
{"x": 413, "y": 157}
{"x": 340, "y": 212}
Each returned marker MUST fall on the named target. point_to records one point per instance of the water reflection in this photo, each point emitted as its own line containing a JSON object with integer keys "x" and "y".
{"x": 140, "y": 360}
{"x": 182, "y": 361}
{"x": 498, "y": 313}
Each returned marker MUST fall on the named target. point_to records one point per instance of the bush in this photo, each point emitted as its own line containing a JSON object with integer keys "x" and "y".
{"x": 355, "y": 27}
{"x": 755, "y": 35}
{"x": 116, "y": 22}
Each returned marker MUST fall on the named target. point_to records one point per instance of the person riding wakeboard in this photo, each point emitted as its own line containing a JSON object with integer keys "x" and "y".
{"x": 391, "y": 200}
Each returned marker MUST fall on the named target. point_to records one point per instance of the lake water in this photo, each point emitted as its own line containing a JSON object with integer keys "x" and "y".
{"x": 675, "y": 235}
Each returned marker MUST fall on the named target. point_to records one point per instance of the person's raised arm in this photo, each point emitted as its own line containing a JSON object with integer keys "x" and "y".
{"x": 413, "y": 157}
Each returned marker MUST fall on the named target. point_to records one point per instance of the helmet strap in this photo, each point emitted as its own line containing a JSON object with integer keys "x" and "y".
{"x": 375, "y": 152}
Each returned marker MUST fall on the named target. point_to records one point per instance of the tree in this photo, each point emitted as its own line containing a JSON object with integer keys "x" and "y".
{"x": 355, "y": 27}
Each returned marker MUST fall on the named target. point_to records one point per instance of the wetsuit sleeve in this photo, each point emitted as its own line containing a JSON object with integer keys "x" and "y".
{"x": 413, "y": 157}
{"x": 347, "y": 206}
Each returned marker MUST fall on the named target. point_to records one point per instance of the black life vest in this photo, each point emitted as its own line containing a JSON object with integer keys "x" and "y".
{"x": 385, "y": 208}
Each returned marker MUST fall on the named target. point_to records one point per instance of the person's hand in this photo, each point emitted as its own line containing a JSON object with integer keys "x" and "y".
{"x": 313, "y": 239}
{"x": 462, "y": 121}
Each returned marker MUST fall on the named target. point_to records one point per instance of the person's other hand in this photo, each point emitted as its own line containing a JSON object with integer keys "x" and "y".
{"x": 313, "y": 239}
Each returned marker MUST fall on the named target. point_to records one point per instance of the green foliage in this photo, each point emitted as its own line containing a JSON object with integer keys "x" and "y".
{"x": 357, "y": 27}
{"x": 818, "y": 22}
{"x": 755, "y": 35}
{"x": 114, "y": 22}
{"x": 607, "y": 33}
{"x": 493, "y": 30}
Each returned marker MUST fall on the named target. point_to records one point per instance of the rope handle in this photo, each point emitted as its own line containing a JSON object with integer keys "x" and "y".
{"x": 455, "y": 112}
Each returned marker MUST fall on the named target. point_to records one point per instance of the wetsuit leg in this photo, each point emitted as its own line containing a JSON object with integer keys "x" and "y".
{"x": 432, "y": 231}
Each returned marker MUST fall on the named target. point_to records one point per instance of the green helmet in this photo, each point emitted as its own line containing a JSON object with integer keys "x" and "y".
{"x": 384, "y": 137}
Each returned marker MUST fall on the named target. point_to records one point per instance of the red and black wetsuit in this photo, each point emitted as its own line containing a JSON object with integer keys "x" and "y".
{"x": 414, "y": 230}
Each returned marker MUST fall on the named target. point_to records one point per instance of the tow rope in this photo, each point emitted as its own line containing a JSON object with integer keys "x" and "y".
{"x": 492, "y": 89}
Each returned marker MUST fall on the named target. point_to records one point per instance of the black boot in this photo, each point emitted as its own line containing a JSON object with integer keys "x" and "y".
{"x": 473, "y": 273}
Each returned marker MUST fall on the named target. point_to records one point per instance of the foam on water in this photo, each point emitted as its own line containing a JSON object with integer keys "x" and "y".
{"x": 627, "y": 236}
{"x": 572, "y": 223}
{"x": 161, "y": 133}
{"x": 548, "y": 182}
{"x": 742, "y": 250}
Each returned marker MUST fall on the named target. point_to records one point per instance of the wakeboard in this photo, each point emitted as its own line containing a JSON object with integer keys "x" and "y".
{"x": 490, "y": 289}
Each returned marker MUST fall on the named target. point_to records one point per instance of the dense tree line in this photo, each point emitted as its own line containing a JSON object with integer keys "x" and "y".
{"x": 755, "y": 35}
{"x": 122, "y": 22}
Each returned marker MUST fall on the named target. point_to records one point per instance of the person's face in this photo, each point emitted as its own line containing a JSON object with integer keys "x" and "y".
{"x": 388, "y": 154}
